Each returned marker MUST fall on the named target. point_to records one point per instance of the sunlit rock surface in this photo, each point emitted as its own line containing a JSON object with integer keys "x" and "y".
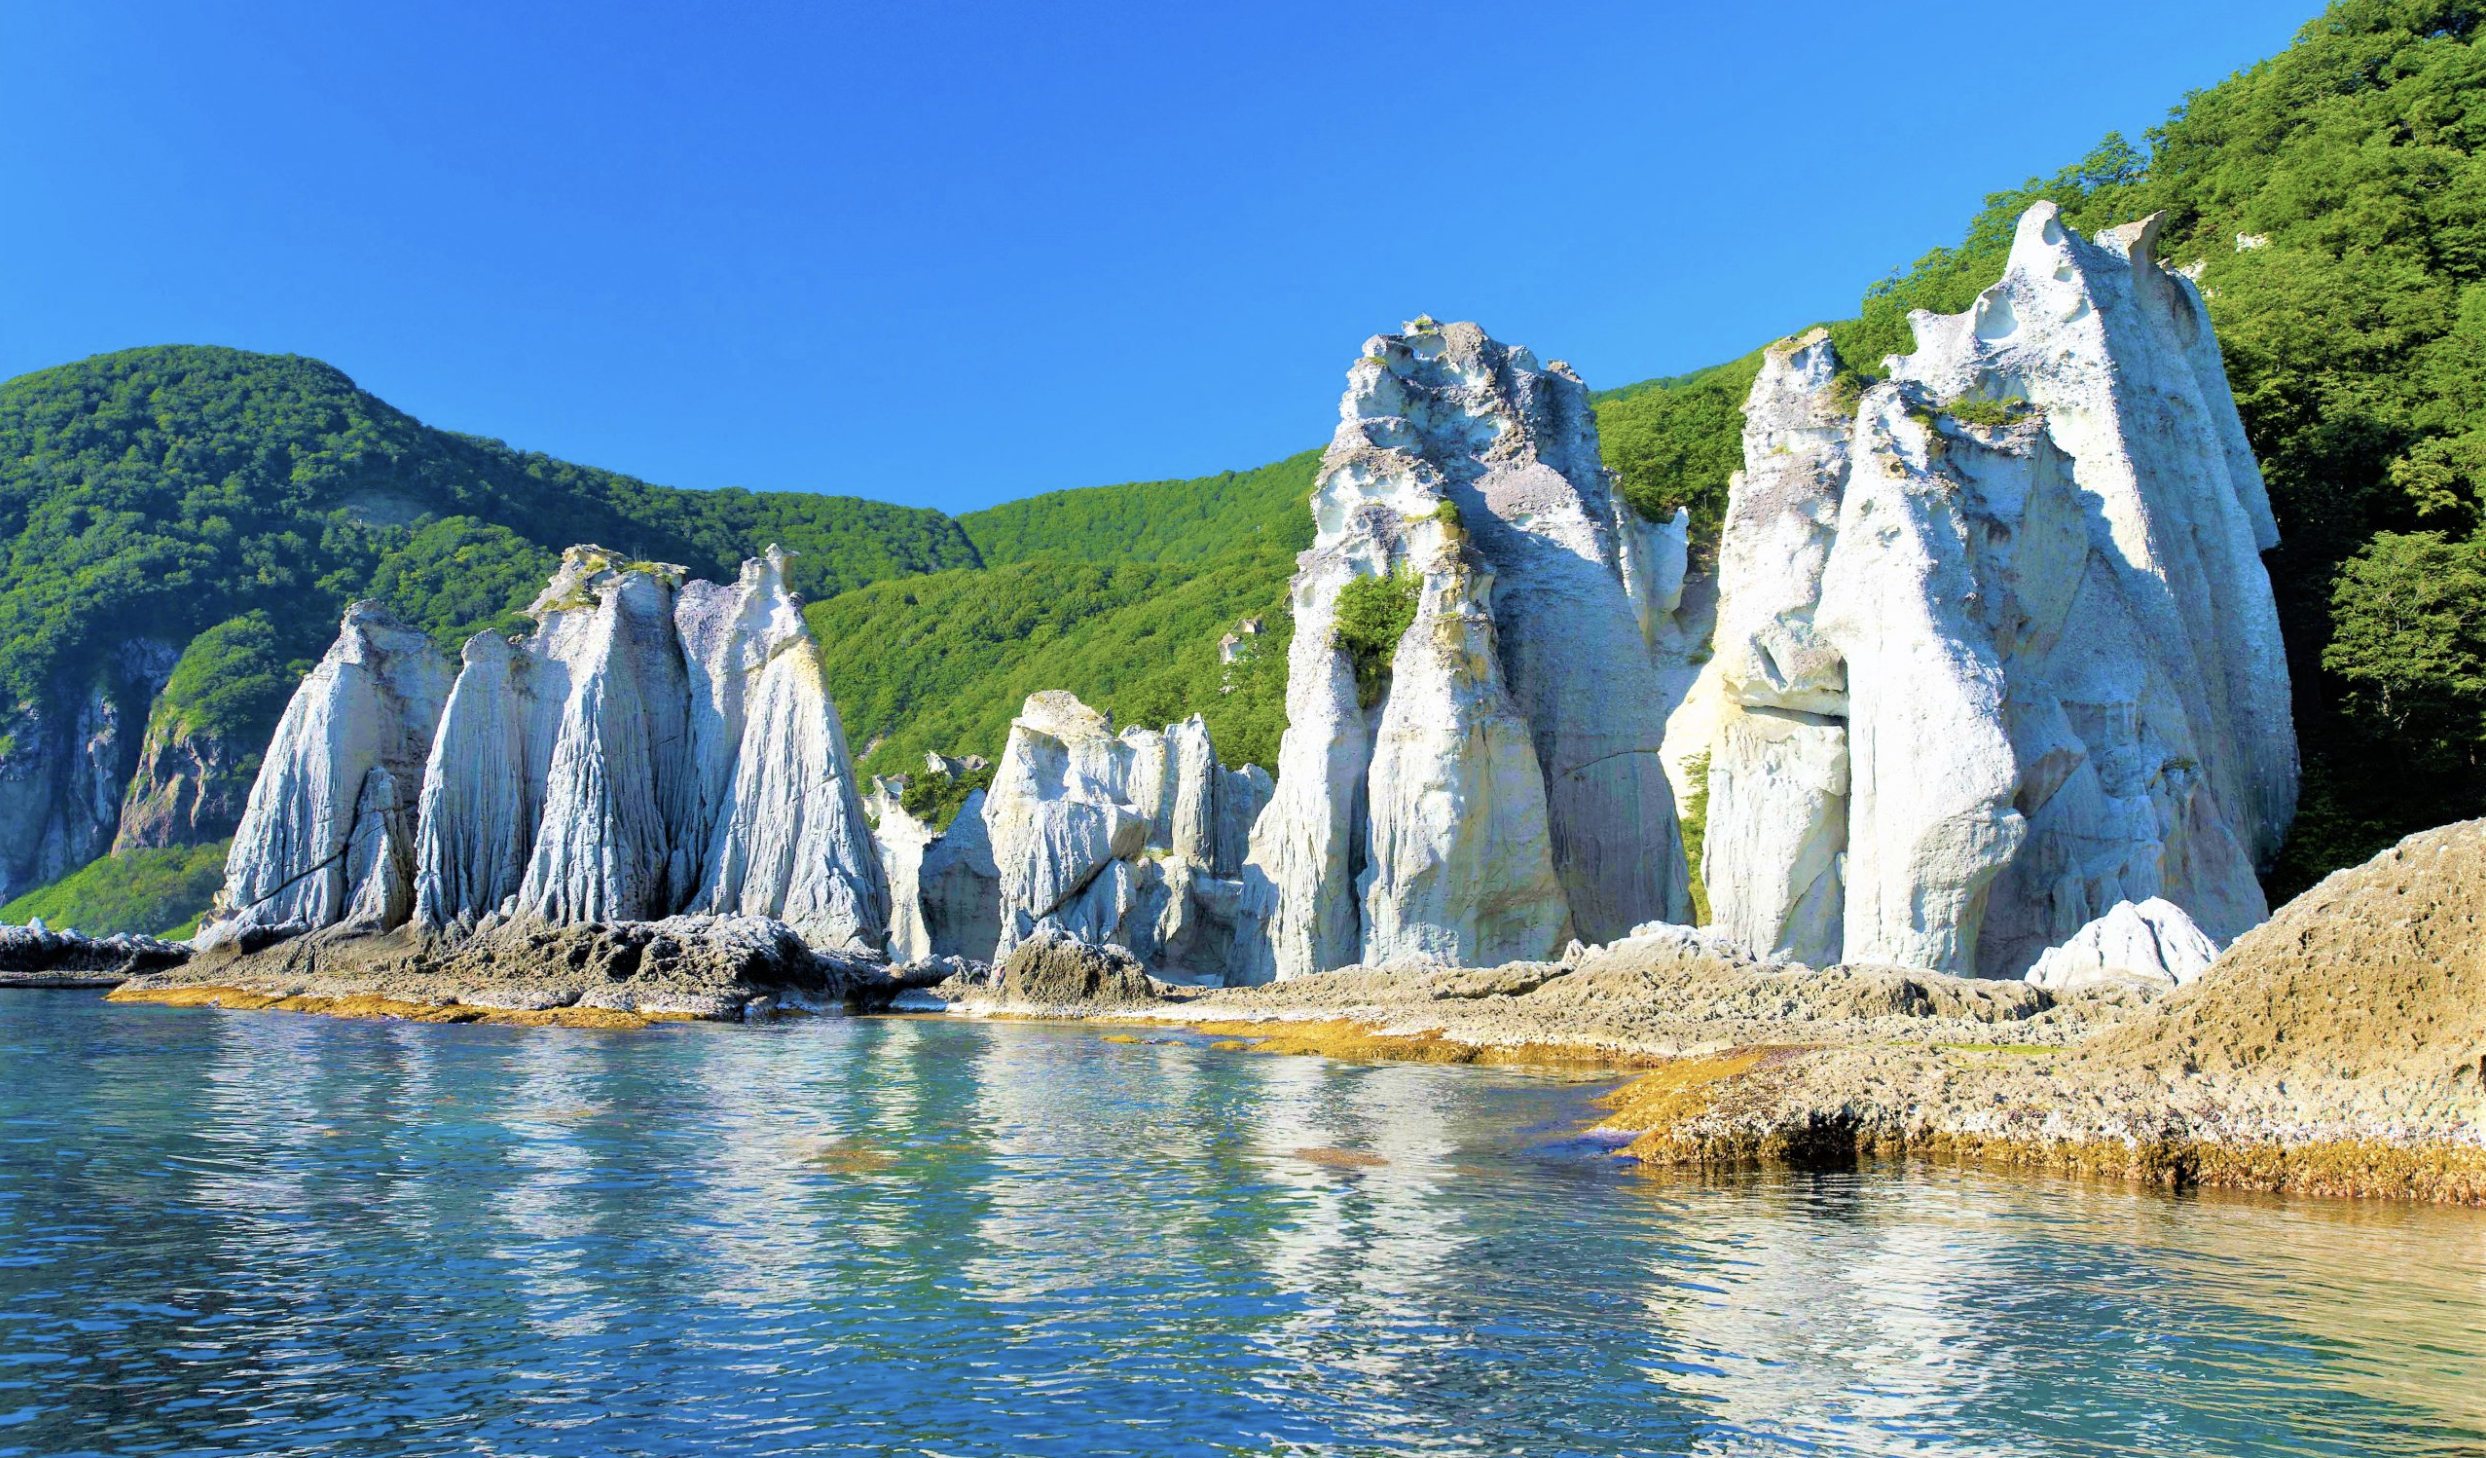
{"x": 1996, "y": 650}
{"x": 1113, "y": 838}
{"x": 2152, "y": 945}
{"x": 1469, "y": 466}
{"x": 649, "y": 749}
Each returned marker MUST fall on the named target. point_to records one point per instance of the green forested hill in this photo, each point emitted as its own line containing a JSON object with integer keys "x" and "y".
{"x": 1156, "y": 521}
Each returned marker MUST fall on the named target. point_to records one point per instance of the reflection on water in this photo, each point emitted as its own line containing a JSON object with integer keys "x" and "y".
{"x": 255, "y": 1233}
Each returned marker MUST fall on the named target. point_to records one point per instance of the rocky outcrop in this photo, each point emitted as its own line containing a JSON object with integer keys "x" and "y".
{"x": 649, "y": 749}
{"x": 2152, "y": 945}
{"x": 334, "y": 795}
{"x": 1486, "y": 782}
{"x": 1996, "y": 651}
{"x": 1129, "y": 839}
{"x": 34, "y": 955}
{"x": 66, "y": 756}
{"x": 185, "y": 790}
{"x": 1054, "y": 969}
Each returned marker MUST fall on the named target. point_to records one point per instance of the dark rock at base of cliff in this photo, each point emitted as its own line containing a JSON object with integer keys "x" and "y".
{"x": 1055, "y": 969}
{"x": 33, "y": 956}
{"x": 704, "y": 966}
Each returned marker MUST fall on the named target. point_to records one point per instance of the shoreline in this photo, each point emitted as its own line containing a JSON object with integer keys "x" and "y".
{"x": 1688, "y": 1110}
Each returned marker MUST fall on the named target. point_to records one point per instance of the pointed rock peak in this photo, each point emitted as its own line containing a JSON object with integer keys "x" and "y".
{"x": 587, "y": 571}
{"x": 2137, "y": 241}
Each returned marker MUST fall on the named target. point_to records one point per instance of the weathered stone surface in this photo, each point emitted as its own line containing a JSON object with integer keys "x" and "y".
{"x": 66, "y": 756}
{"x": 650, "y": 749}
{"x": 2021, "y": 581}
{"x": 34, "y": 955}
{"x": 2152, "y": 944}
{"x": 1467, "y": 463}
{"x": 345, "y": 758}
{"x": 1055, "y": 969}
{"x": 1111, "y": 838}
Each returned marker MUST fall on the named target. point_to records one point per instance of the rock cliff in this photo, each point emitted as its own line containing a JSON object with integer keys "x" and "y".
{"x": 66, "y": 756}
{"x": 650, "y": 749}
{"x": 1485, "y": 782}
{"x": 1995, "y": 644}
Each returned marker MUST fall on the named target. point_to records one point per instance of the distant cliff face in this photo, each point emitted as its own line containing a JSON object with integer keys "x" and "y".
{"x": 652, "y": 747}
{"x": 1996, "y": 644}
{"x": 1469, "y": 772}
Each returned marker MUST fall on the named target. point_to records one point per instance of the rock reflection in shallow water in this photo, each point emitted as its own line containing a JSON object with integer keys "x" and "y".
{"x": 236, "y": 1233}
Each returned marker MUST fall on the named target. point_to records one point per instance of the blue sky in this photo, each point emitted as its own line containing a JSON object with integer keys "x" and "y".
{"x": 948, "y": 255}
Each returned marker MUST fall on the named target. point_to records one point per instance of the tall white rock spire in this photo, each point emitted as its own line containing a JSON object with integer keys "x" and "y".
{"x": 1504, "y": 791}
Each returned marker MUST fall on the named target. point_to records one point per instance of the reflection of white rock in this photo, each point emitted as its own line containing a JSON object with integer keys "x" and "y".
{"x": 1471, "y": 470}
{"x": 2019, "y": 585}
{"x": 2153, "y": 944}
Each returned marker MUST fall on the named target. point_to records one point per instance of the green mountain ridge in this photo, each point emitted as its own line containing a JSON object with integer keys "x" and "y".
{"x": 2330, "y": 200}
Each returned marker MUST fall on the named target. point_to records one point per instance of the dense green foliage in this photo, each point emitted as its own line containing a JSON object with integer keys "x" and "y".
{"x": 1157, "y": 521}
{"x": 943, "y": 662}
{"x": 1673, "y": 443}
{"x": 157, "y": 492}
{"x": 156, "y": 891}
{"x": 936, "y": 799}
{"x": 1372, "y": 614}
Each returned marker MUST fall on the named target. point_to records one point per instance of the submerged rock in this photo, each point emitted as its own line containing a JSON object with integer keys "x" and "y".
{"x": 1996, "y": 649}
{"x": 1486, "y": 782}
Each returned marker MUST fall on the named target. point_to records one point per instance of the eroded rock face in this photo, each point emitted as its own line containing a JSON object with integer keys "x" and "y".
{"x": 1469, "y": 466}
{"x": 1996, "y": 649}
{"x": 2152, "y": 945}
{"x": 337, "y": 781}
{"x": 650, "y": 749}
{"x": 1110, "y": 838}
{"x": 66, "y": 757}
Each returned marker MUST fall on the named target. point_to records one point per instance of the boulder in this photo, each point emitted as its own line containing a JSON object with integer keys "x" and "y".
{"x": 2153, "y": 945}
{"x": 1052, "y": 968}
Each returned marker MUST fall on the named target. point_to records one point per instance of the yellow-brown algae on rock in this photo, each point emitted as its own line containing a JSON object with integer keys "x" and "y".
{"x": 1334, "y": 1158}
{"x": 842, "y": 1157}
{"x": 1357, "y": 1042}
{"x": 371, "y": 1005}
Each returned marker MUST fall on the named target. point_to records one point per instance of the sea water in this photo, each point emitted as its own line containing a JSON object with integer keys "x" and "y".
{"x": 263, "y": 1233}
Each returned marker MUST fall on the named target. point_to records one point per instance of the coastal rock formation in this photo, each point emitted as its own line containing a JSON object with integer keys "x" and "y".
{"x": 1501, "y": 743}
{"x": 1996, "y": 650}
{"x": 1130, "y": 839}
{"x": 333, "y": 797}
{"x": 944, "y": 888}
{"x": 649, "y": 749}
{"x": 65, "y": 757}
{"x": 34, "y": 955}
{"x": 2152, "y": 945}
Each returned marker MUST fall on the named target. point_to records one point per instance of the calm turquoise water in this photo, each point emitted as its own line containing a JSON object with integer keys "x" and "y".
{"x": 261, "y": 1233}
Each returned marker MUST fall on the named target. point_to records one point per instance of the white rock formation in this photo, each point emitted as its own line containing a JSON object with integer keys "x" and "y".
{"x": 2152, "y": 945}
{"x": 326, "y": 818}
{"x": 944, "y": 889}
{"x": 1110, "y": 837}
{"x": 650, "y": 749}
{"x": 1996, "y": 649}
{"x": 1469, "y": 466}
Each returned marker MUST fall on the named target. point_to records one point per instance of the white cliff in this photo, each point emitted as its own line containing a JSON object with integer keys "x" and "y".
{"x": 649, "y": 749}
{"x": 1472, "y": 472}
{"x": 1996, "y": 650}
{"x": 326, "y": 818}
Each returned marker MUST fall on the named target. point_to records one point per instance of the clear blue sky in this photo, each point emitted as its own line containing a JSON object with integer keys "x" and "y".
{"x": 948, "y": 255}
